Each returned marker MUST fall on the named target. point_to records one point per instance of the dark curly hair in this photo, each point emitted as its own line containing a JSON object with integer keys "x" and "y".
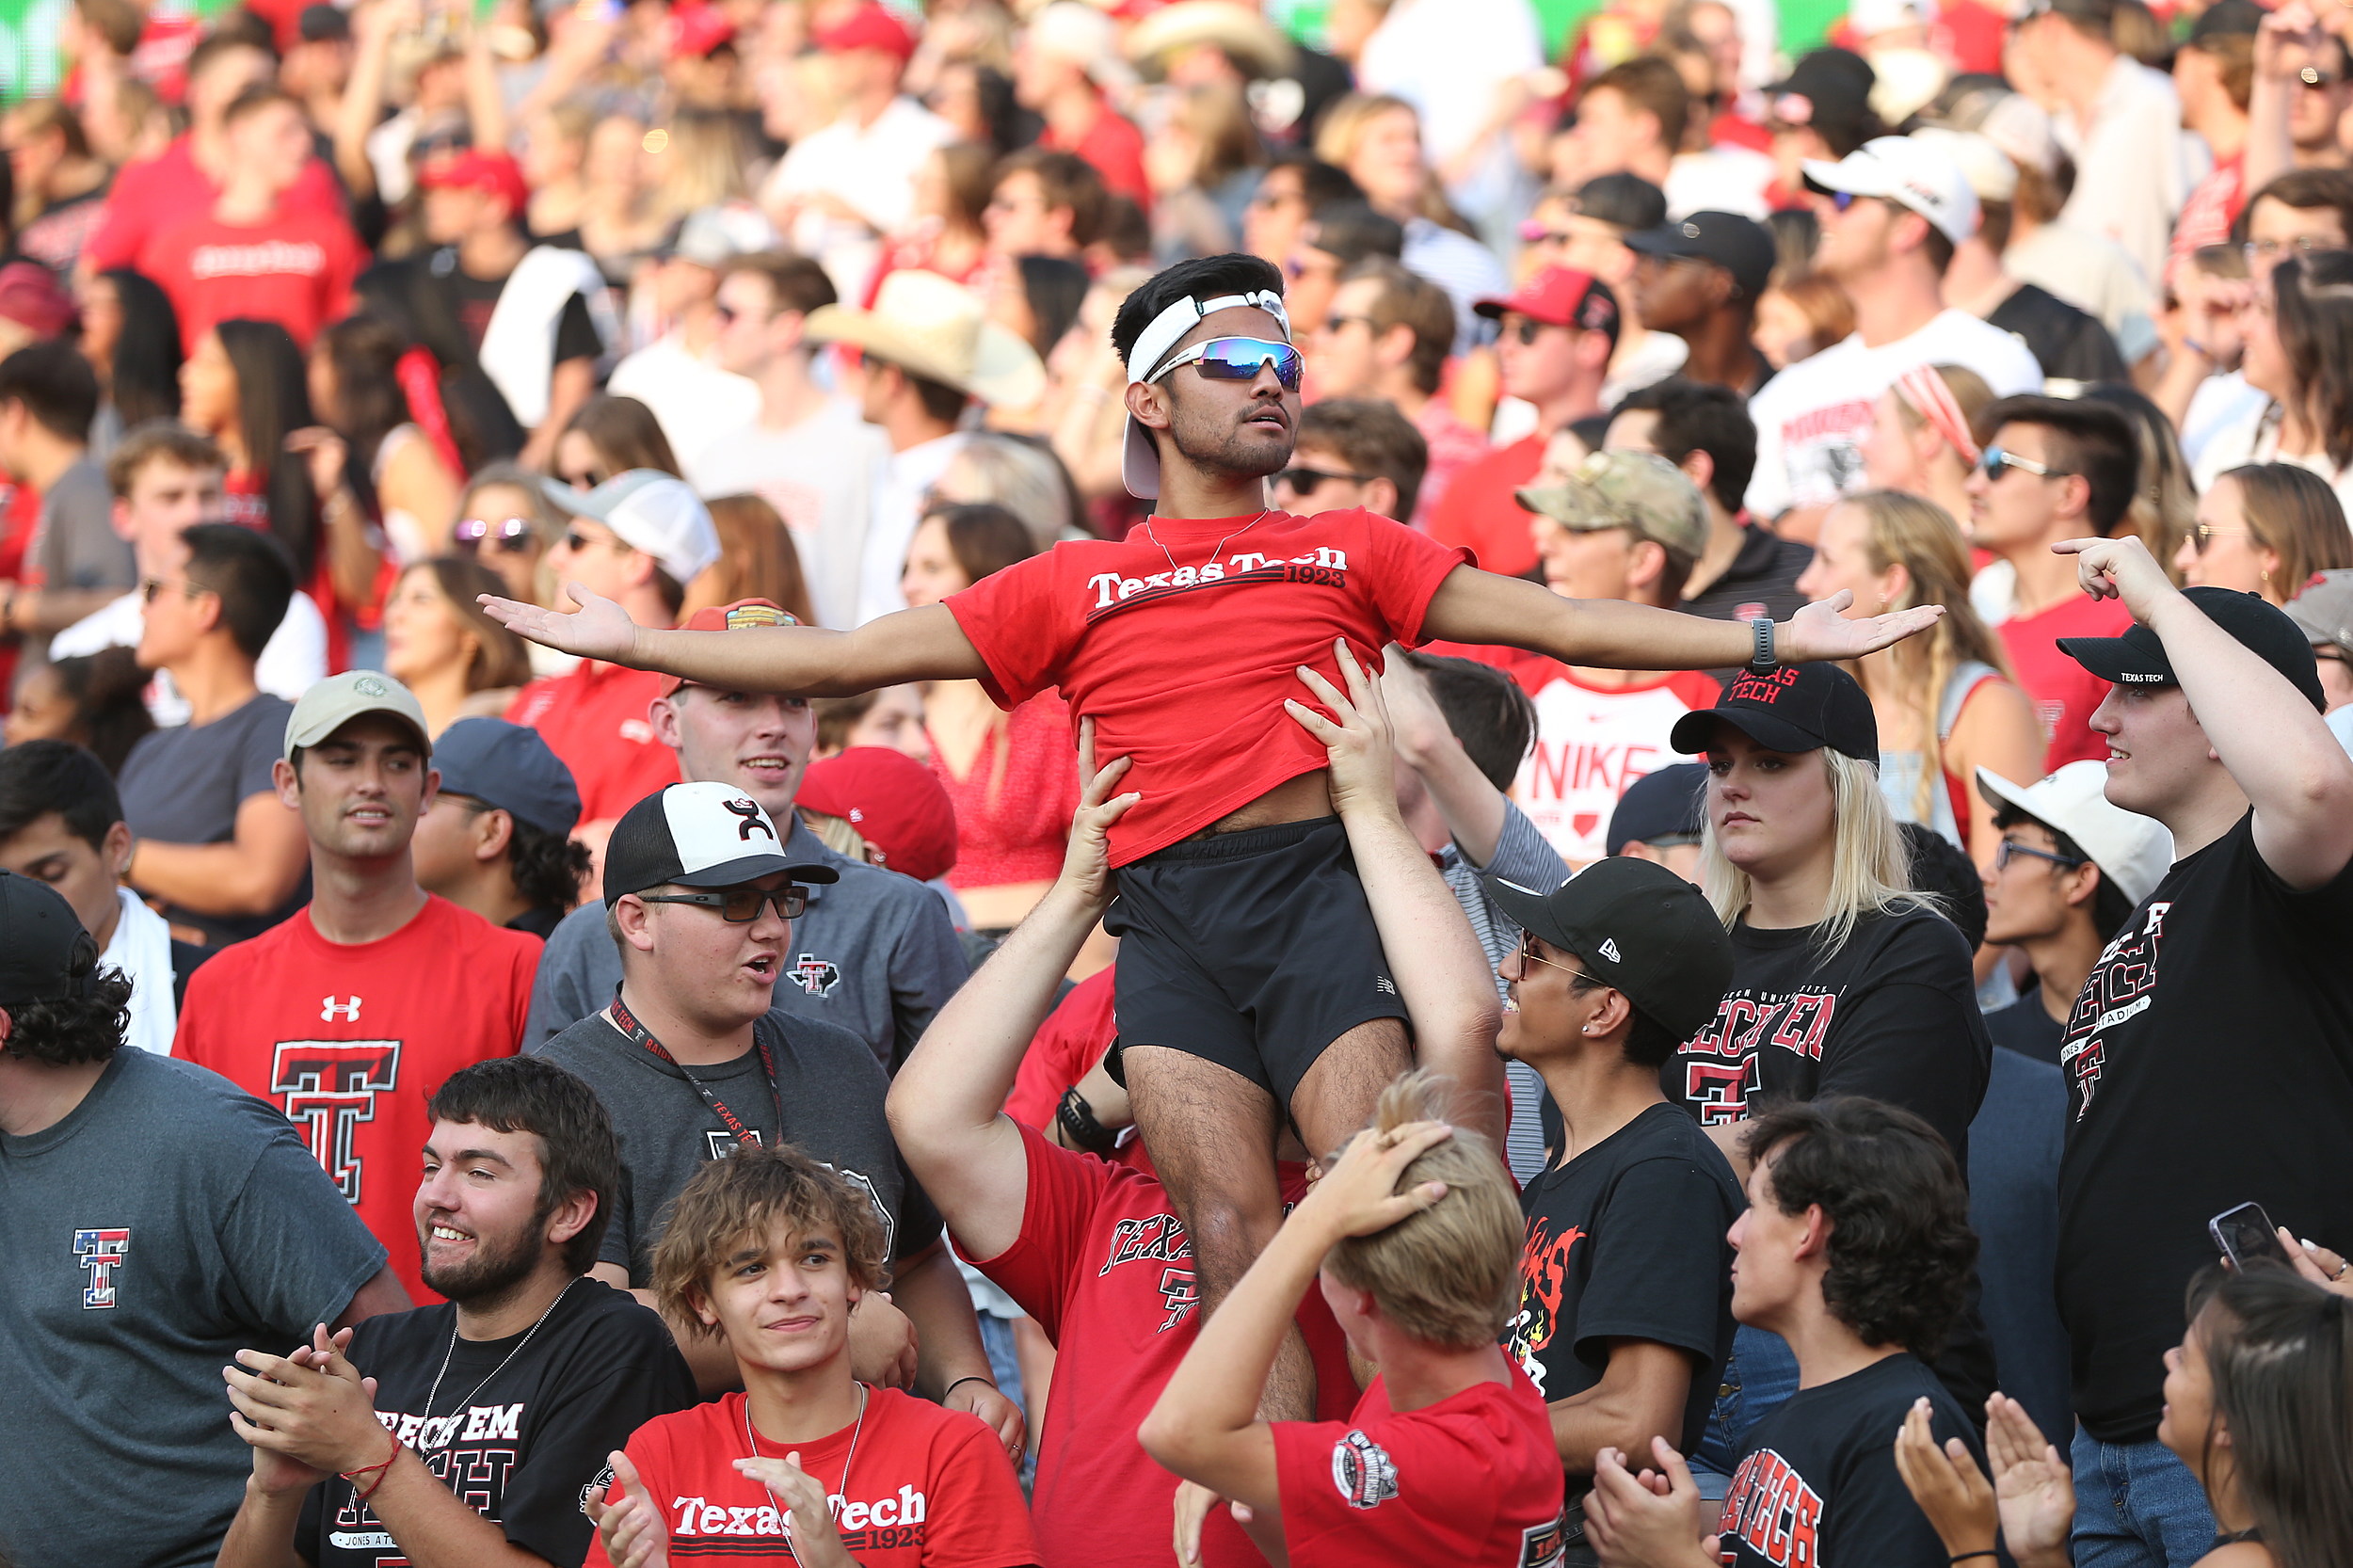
{"x": 88, "y": 1028}
{"x": 547, "y": 868}
{"x": 1900, "y": 1246}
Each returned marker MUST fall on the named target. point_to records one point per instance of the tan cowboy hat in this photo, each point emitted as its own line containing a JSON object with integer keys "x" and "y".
{"x": 1248, "y": 40}
{"x": 937, "y": 329}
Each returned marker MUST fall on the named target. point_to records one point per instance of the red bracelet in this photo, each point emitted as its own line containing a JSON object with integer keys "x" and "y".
{"x": 379, "y": 1470}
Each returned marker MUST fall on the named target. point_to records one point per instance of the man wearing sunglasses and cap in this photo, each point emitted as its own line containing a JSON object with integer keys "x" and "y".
{"x": 701, "y": 892}
{"x": 1181, "y": 643}
{"x": 2205, "y": 1058}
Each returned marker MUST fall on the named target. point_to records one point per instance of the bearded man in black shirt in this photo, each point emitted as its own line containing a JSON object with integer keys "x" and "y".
{"x": 491, "y": 1415}
{"x": 1856, "y": 1249}
{"x": 2209, "y": 1058}
{"x": 1625, "y": 1288}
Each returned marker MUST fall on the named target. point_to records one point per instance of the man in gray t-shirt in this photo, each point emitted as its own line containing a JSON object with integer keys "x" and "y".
{"x": 75, "y": 562}
{"x": 156, "y": 1220}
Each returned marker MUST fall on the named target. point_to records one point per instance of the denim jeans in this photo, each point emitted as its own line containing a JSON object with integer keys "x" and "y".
{"x": 2137, "y": 1506}
{"x": 1758, "y": 1380}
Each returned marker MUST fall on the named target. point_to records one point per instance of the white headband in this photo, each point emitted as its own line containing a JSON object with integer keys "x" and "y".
{"x": 1154, "y": 342}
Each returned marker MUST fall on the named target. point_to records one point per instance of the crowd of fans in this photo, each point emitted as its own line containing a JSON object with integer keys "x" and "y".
{"x": 1128, "y": 737}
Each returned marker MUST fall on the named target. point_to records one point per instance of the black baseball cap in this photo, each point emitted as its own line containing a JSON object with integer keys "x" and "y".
{"x": 2225, "y": 19}
{"x": 1637, "y": 928}
{"x": 1742, "y": 246}
{"x": 1669, "y": 804}
{"x": 706, "y": 835}
{"x": 508, "y": 768}
{"x": 2139, "y": 658}
{"x": 1789, "y": 708}
{"x": 45, "y": 955}
{"x": 1352, "y": 231}
{"x": 1827, "y": 87}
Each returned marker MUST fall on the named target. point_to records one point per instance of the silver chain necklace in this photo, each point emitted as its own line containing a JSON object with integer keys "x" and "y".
{"x": 752, "y": 1437}
{"x": 1174, "y": 568}
{"x": 436, "y": 1391}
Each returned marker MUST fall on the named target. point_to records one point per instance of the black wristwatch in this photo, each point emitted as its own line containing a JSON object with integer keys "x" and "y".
{"x": 1076, "y": 1119}
{"x": 1763, "y": 658}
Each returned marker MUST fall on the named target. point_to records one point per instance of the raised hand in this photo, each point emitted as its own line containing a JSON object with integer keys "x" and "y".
{"x": 1086, "y": 864}
{"x": 1358, "y": 1195}
{"x": 1946, "y": 1483}
{"x": 599, "y": 629}
{"x": 2033, "y": 1491}
{"x": 1363, "y": 775}
{"x": 1822, "y": 631}
{"x": 633, "y": 1531}
{"x": 2120, "y": 568}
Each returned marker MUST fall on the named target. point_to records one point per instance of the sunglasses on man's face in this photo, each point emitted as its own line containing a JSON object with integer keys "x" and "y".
{"x": 509, "y": 534}
{"x": 1240, "y": 360}
{"x": 1997, "y": 462}
{"x": 741, "y": 906}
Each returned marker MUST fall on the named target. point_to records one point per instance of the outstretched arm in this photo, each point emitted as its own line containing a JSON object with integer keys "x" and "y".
{"x": 1441, "y": 974}
{"x": 1474, "y": 607}
{"x": 946, "y": 1106}
{"x": 806, "y": 661}
{"x": 2272, "y": 737}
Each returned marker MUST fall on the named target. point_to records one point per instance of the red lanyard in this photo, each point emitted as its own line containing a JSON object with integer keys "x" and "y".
{"x": 627, "y": 1023}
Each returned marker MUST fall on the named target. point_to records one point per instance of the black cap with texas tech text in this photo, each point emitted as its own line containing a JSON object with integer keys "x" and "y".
{"x": 1637, "y": 928}
{"x": 1788, "y": 707}
{"x": 45, "y": 955}
{"x": 2138, "y": 657}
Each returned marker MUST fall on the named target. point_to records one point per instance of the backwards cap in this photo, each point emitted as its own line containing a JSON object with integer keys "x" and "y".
{"x": 1139, "y": 459}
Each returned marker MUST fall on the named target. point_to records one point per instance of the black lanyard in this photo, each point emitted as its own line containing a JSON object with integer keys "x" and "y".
{"x": 625, "y": 1021}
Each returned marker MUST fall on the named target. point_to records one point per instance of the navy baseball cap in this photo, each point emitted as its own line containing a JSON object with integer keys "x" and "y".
{"x": 508, "y": 767}
{"x": 1637, "y": 928}
{"x": 1669, "y": 804}
{"x": 45, "y": 955}
{"x": 1789, "y": 708}
{"x": 1742, "y": 246}
{"x": 2138, "y": 657}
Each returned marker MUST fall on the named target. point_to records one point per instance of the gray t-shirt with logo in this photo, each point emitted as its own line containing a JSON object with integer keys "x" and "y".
{"x": 873, "y": 953}
{"x": 827, "y": 1083}
{"x": 167, "y": 1223}
{"x": 184, "y": 785}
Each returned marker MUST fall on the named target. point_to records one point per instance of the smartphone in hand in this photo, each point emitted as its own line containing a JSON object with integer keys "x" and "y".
{"x": 2246, "y": 1234}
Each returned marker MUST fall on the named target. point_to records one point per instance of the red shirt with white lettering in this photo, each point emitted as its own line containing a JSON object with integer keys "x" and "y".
{"x": 912, "y": 1484}
{"x": 1105, "y": 1268}
{"x": 158, "y": 193}
{"x": 2063, "y": 691}
{"x": 1187, "y": 673}
{"x": 350, "y": 1040}
{"x": 1472, "y": 1481}
{"x": 1591, "y": 743}
{"x": 295, "y": 269}
{"x": 593, "y": 717}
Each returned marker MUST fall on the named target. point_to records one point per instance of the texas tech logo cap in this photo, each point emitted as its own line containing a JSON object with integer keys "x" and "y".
{"x": 698, "y": 836}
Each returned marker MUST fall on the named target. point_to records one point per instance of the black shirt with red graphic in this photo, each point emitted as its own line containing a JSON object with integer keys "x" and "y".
{"x": 2209, "y": 1063}
{"x": 1626, "y": 1241}
{"x": 1816, "y": 1482}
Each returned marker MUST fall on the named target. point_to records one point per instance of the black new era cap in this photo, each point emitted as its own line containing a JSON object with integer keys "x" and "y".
{"x": 1637, "y": 927}
{"x": 45, "y": 955}
{"x": 1788, "y": 707}
{"x": 698, "y": 836}
{"x": 2139, "y": 658}
{"x": 1742, "y": 246}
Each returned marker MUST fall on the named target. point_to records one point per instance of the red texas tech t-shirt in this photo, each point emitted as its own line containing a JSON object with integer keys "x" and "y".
{"x": 350, "y": 1040}
{"x": 913, "y": 1486}
{"x": 1183, "y": 641}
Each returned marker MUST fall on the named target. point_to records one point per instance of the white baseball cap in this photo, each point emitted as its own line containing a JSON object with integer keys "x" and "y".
{"x": 648, "y": 510}
{"x": 2131, "y": 850}
{"x": 1908, "y": 172}
{"x": 1990, "y": 170}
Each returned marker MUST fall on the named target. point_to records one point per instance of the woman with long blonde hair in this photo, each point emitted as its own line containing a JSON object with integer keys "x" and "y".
{"x": 1945, "y": 701}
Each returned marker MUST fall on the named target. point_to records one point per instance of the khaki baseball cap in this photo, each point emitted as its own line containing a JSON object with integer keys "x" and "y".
{"x": 331, "y": 703}
{"x": 1626, "y": 490}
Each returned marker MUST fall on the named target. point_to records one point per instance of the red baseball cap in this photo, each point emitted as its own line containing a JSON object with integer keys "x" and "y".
{"x": 696, "y": 29}
{"x": 476, "y": 169}
{"x": 897, "y": 805}
{"x": 741, "y": 615}
{"x": 869, "y": 26}
{"x": 1559, "y": 296}
{"x": 31, "y": 297}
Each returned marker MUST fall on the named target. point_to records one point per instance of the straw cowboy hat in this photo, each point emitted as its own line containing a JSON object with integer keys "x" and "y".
{"x": 936, "y": 329}
{"x": 1256, "y": 45}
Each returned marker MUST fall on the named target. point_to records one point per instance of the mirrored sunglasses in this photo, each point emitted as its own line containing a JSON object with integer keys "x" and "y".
{"x": 1240, "y": 360}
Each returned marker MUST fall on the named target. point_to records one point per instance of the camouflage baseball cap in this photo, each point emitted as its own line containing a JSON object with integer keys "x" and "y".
{"x": 1626, "y": 490}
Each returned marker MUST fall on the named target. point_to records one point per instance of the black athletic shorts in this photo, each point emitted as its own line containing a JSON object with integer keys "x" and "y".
{"x": 1253, "y": 949}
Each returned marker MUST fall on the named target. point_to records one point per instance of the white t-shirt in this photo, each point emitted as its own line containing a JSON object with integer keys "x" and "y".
{"x": 1591, "y": 743}
{"x": 692, "y": 399}
{"x": 2135, "y": 165}
{"x": 1810, "y": 418}
{"x": 907, "y": 477}
{"x": 2095, "y": 275}
{"x": 821, "y": 476}
{"x": 1724, "y": 179}
{"x": 2253, "y": 437}
{"x": 293, "y": 661}
{"x": 873, "y": 170}
{"x": 2222, "y": 402}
